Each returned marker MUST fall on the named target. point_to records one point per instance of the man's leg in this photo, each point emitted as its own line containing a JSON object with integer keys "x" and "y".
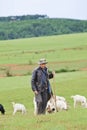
{"x": 44, "y": 101}
{"x": 38, "y": 99}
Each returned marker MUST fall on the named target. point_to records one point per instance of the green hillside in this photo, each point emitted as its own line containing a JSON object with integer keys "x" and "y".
{"x": 63, "y": 52}
{"x": 35, "y": 26}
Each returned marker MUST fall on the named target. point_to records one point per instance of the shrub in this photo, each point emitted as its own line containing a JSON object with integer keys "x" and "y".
{"x": 65, "y": 70}
{"x": 8, "y": 72}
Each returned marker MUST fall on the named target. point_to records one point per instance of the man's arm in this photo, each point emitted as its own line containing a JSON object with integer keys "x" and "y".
{"x": 33, "y": 81}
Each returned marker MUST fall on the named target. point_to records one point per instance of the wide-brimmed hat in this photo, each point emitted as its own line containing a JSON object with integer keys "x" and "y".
{"x": 42, "y": 61}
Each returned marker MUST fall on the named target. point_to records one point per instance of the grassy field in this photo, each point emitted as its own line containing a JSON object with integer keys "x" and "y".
{"x": 64, "y": 51}
{"x": 18, "y": 89}
{"x": 60, "y": 48}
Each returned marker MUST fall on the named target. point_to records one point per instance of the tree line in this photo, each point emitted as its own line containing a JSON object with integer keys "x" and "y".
{"x": 15, "y": 27}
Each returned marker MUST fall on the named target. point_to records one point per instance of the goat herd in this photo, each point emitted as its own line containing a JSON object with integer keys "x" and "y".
{"x": 55, "y": 103}
{"x": 58, "y": 103}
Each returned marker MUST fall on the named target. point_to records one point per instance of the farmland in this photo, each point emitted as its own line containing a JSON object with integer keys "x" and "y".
{"x": 21, "y": 56}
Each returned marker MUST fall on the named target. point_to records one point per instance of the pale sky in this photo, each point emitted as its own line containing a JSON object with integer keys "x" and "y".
{"x": 76, "y": 9}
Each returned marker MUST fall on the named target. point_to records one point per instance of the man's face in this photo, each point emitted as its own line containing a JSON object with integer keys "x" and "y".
{"x": 43, "y": 66}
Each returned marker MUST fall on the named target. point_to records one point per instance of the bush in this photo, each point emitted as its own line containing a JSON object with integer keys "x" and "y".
{"x": 65, "y": 70}
{"x": 8, "y": 72}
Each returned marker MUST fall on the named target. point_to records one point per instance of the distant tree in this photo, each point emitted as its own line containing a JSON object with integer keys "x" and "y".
{"x": 26, "y": 26}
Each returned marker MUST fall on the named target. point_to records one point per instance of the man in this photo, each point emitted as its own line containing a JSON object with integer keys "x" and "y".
{"x": 41, "y": 85}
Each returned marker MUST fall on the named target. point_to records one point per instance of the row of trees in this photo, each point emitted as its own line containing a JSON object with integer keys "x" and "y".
{"x": 40, "y": 27}
{"x": 23, "y": 17}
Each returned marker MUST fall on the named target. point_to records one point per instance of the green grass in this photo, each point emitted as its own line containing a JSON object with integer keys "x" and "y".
{"x": 53, "y": 48}
{"x": 61, "y": 52}
{"x": 64, "y": 51}
{"x": 18, "y": 89}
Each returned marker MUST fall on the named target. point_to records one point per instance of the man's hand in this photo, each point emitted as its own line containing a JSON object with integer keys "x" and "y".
{"x": 53, "y": 73}
{"x": 36, "y": 92}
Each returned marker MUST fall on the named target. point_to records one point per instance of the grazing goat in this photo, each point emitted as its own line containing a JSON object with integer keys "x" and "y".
{"x": 84, "y": 105}
{"x": 2, "y": 109}
{"x": 50, "y": 108}
{"x": 18, "y": 107}
{"x": 56, "y": 104}
{"x": 78, "y": 99}
{"x": 60, "y": 98}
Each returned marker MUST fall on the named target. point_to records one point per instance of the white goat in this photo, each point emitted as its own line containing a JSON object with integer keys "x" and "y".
{"x": 78, "y": 99}
{"x": 35, "y": 106}
{"x": 51, "y": 105}
{"x": 60, "y": 98}
{"x": 18, "y": 107}
{"x": 61, "y": 105}
{"x": 84, "y": 105}
{"x": 56, "y": 104}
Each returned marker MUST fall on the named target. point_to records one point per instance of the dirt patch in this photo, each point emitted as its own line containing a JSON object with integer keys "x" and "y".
{"x": 84, "y": 69}
{"x": 21, "y": 69}
{"x": 76, "y": 48}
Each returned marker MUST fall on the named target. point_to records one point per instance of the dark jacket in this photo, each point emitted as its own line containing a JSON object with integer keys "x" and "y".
{"x": 40, "y": 80}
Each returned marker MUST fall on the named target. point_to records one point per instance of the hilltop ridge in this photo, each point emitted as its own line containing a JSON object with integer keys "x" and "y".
{"x": 26, "y": 26}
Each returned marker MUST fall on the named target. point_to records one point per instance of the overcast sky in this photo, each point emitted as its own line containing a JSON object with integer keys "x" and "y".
{"x": 76, "y": 9}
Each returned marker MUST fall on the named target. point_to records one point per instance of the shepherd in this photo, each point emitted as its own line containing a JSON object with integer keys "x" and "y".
{"x": 41, "y": 86}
